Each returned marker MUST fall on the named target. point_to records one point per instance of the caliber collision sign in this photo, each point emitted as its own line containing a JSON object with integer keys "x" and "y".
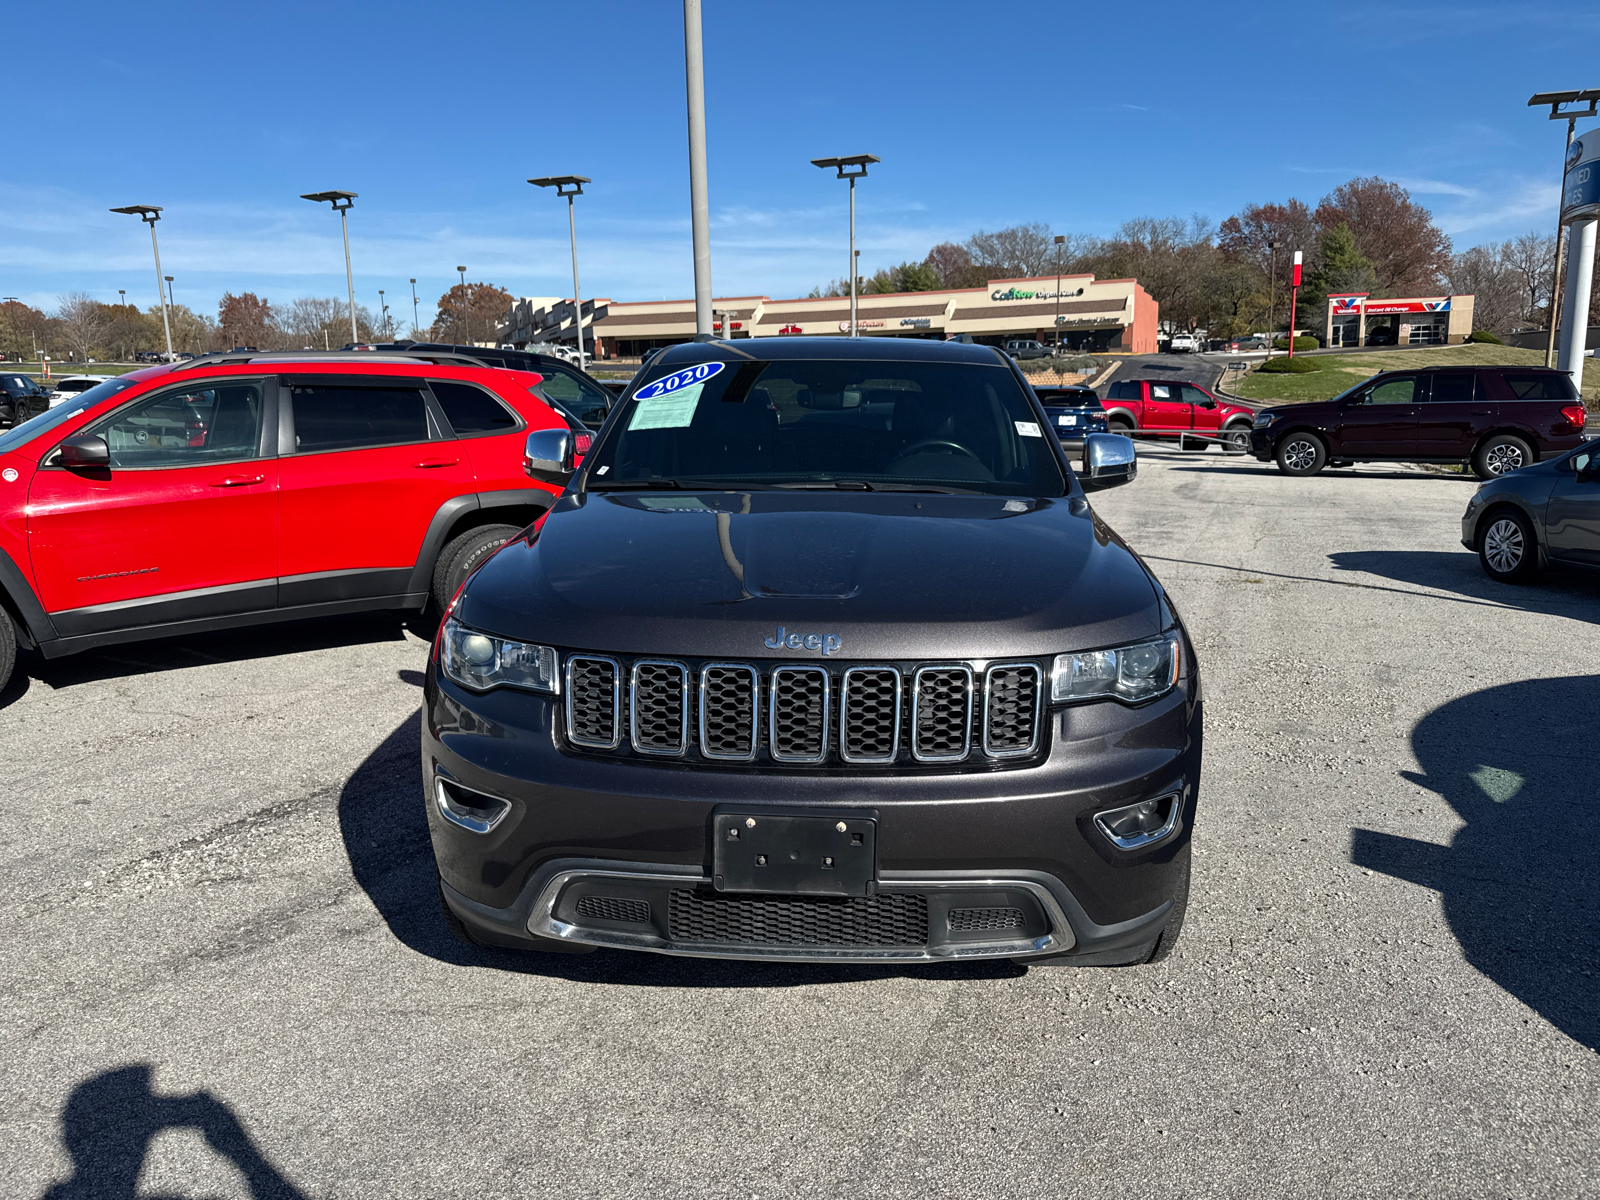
{"x": 1580, "y": 187}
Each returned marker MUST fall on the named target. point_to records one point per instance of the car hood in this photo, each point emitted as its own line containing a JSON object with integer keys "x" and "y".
{"x": 888, "y": 575}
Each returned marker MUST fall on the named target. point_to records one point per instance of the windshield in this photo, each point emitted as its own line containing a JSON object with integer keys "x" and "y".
{"x": 21, "y": 434}
{"x": 817, "y": 423}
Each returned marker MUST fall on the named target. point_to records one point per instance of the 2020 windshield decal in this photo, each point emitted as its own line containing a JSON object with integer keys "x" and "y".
{"x": 678, "y": 379}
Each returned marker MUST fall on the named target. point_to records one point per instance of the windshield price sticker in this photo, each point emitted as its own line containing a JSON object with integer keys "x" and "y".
{"x": 1028, "y": 429}
{"x": 673, "y": 411}
{"x": 677, "y": 381}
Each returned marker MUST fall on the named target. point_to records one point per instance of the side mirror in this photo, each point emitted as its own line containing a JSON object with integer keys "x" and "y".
{"x": 1208, "y": 403}
{"x": 85, "y": 451}
{"x": 548, "y": 455}
{"x": 1109, "y": 459}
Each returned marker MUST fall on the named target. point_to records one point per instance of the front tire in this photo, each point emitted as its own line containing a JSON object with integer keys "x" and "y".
{"x": 1500, "y": 454}
{"x": 8, "y": 648}
{"x": 1506, "y": 546}
{"x": 464, "y": 555}
{"x": 1302, "y": 454}
{"x": 1235, "y": 439}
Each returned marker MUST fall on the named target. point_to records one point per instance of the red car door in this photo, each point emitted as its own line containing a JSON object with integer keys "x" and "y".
{"x": 1165, "y": 410}
{"x": 1204, "y": 410}
{"x": 366, "y": 468}
{"x": 183, "y": 524}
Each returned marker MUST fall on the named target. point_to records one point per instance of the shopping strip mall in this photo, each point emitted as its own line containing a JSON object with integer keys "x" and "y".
{"x": 1355, "y": 317}
{"x": 1091, "y": 314}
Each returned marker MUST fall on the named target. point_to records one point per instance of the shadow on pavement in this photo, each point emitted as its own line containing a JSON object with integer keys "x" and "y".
{"x": 1557, "y": 592}
{"x": 385, "y": 829}
{"x": 109, "y": 1122}
{"x": 1521, "y": 881}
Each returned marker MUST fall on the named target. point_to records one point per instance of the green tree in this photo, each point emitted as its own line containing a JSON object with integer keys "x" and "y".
{"x": 1344, "y": 269}
{"x": 907, "y": 277}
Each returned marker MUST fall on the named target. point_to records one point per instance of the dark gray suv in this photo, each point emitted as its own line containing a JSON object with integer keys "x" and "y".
{"x": 823, "y": 655}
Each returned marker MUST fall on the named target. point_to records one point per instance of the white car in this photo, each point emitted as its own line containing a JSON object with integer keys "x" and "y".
{"x": 69, "y": 386}
{"x": 1184, "y": 343}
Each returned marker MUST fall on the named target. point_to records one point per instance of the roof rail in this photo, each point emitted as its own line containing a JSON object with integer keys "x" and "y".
{"x": 323, "y": 356}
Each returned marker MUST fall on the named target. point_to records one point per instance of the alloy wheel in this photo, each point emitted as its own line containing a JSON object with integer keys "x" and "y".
{"x": 1502, "y": 458}
{"x": 1503, "y": 545}
{"x": 1237, "y": 439}
{"x": 1300, "y": 455}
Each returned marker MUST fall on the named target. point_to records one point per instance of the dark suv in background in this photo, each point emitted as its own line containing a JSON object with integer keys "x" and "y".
{"x": 20, "y": 398}
{"x": 1496, "y": 418}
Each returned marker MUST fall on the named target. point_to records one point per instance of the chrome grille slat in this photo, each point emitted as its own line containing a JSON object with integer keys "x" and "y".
{"x": 658, "y": 706}
{"x": 594, "y": 701}
{"x": 941, "y": 713}
{"x": 797, "y": 721}
{"x": 729, "y": 703}
{"x": 1012, "y": 695}
{"x": 869, "y": 715}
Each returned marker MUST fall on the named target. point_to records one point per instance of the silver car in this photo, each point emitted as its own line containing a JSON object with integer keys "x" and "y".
{"x": 1544, "y": 515}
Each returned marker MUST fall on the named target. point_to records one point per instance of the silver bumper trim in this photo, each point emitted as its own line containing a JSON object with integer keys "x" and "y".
{"x": 542, "y": 922}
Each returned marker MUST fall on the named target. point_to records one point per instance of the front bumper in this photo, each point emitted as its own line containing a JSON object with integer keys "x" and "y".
{"x": 1262, "y": 444}
{"x": 995, "y": 863}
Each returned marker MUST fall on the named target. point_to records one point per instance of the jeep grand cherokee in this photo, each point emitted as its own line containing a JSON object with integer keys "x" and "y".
{"x": 822, "y": 655}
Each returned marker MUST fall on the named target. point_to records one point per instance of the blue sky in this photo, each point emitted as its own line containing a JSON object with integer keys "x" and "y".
{"x": 1079, "y": 115}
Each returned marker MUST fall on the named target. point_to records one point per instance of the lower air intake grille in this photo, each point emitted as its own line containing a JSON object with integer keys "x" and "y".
{"x": 593, "y": 702}
{"x": 1011, "y": 720}
{"x": 612, "y": 908}
{"x": 986, "y": 918}
{"x": 943, "y": 708}
{"x": 893, "y": 919}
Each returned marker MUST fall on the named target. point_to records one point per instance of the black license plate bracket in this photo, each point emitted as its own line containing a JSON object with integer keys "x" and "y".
{"x": 819, "y": 855}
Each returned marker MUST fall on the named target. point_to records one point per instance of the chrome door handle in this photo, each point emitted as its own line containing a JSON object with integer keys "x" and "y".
{"x": 238, "y": 481}
{"x": 429, "y": 464}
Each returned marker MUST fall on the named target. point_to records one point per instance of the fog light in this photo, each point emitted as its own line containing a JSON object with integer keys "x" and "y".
{"x": 468, "y": 809}
{"x": 1135, "y": 826}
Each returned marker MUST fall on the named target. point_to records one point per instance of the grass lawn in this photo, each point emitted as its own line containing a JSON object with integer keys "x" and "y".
{"x": 58, "y": 369}
{"x": 1337, "y": 372}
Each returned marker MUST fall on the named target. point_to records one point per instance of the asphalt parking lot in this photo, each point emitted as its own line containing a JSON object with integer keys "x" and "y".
{"x": 223, "y": 973}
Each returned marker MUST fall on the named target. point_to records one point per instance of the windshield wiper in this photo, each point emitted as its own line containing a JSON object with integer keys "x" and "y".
{"x": 616, "y": 485}
{"x": 843, "y": 485}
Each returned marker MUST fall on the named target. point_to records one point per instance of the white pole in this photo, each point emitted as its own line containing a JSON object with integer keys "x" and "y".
{"x": 577, "y": 300}
{"x": 349, "y": 278}
{"x": 161, "y": 290}
{"x": 1580, "y": 278}
{"x": 852, "y": 256}
{"x": 699, "y": 205}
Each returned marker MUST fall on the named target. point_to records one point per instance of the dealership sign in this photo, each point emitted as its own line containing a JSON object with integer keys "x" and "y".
{"x": 1580, "y": 186}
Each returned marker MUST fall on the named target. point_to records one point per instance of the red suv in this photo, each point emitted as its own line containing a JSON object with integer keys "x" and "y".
{"x": 239, "y": 489}
{"x": 1172, "y": 407}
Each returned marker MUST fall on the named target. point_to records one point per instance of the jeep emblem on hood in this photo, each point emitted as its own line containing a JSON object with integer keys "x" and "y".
{"x": 826, "y": 642}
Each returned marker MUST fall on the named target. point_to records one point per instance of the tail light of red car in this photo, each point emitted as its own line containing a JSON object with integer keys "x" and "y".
{"x": 580, "y": 446}
{"x": 1574, "y": 414}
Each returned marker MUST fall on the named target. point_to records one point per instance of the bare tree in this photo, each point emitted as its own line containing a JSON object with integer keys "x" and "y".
{"x": 1020, "y": 252}
{"x": 83, "y": 323}
{"x": 1486, "y": 273}
{"x": 1532, "y": 257}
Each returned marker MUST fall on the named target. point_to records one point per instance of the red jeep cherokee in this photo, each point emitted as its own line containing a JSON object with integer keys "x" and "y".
{"x": 1172, "y": 407}
{"x": 242, "y": 489}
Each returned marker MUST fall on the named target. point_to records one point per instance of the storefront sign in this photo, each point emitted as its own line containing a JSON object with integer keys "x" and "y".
{"x": 1347, "y": 305}
{"x": 1015, "y": 294}
{"x": 916, "y": 322}
{"x": 1379, "y": 307}
{"x": 1580, "y": 186}
{"x": 844, "y": 326}
{"x": 1089, "y": 323}
{"x": 791, "y": 329}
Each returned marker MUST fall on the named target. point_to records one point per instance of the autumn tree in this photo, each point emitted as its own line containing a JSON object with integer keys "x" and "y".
{"x": 22, "y": 329}
{"x": 1408, "y": 253}
{"x": 472, "y": 313}
{"x": 953, "y": 266}
{"x": 246, "y": 320}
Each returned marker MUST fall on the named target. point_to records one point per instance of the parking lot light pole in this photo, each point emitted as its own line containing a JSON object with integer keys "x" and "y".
{"x": 570, "y": 186}
{"x": 171, "y": 299}
{"x": 694, "y": 72}
{"x": 466, "y": 311}
{"x": 851, "y": 167}
{"x": 414, "y": 329}
{"x": 1061, "y": 240}
{"x": 341, "y": 202}
{"x": 1559, "y": 112}
{"x": 150, "y": 214}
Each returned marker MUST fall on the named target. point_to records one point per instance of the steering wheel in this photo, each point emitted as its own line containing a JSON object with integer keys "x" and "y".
{"x": 926, "y": 442}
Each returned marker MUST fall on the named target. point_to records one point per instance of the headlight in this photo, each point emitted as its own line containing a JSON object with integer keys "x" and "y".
{"x": 1142, "y": 671}
{"x": 1263, "y": 419}
{"x": 481, "y": 661}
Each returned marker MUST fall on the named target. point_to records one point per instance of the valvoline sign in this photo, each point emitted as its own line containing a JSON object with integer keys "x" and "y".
{"x": 1580, "y": 187}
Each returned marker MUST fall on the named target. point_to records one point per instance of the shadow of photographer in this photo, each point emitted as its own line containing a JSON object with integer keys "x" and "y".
{"x": 1520, "y": 883}
{"x": 109, "y": 1122}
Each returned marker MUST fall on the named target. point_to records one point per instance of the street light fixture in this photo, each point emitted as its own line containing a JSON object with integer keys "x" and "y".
{"x": 851, "y": 167}
{"x": 570, "y": 186}
{"x": 341, "y": 202}
{"x": 170, "y": 298}
{"x": 1558, "y": 102}
{"x": 150, "y": 214}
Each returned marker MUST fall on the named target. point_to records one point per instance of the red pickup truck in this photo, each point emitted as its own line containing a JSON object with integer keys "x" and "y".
{"x": 1172, "y": 407}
